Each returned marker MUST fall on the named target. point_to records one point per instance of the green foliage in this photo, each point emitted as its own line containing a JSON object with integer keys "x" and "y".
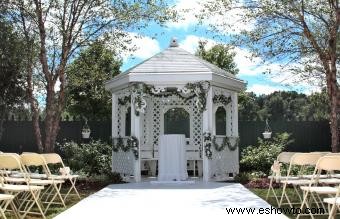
{"x": 284, "y": 105}
{"x": 86, "y": 95}
{"x": 260, "y": 157}
{"x": 92, "y": 158}
{"x": 247, "y": 106}
{"x": 11, "y": 71}
{"x": 220, "y": 55}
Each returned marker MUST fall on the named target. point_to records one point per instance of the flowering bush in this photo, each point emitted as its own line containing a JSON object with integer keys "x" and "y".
{"x": 260, "y": 157}
{"x": 93, "y": 158}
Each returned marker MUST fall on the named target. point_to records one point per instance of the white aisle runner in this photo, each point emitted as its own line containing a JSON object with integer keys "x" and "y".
{"x": 164, "y": 201}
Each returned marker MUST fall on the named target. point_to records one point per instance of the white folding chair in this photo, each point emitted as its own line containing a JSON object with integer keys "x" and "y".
{"x": 53, "y": 158}
{"x": 276, "y": 170}
{"x": 315, "y": 189}
{"x": 25, "y": 195}
{"x": 5, "y": 200}
{"x": 301, "y": 160}
{"x": 52, "y": 189}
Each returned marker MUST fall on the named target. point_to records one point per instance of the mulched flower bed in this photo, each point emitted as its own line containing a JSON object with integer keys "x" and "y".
{"x": 261, "y": 183}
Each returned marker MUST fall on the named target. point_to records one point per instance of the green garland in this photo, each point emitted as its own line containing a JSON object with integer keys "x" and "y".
{"x": 118, "y": 145}
{"x": 219, "y": 147}
{"x": 131, "y": 144}
{"x": 226, "y": 143}
{"x": 198, "y": 90}
{"x": 124, "y": 100}
{"x": 207, "y": 145}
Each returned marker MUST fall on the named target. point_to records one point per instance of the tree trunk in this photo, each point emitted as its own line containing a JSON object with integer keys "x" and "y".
{"x": 332, "y": 90}
{"x": 33, "y": 104}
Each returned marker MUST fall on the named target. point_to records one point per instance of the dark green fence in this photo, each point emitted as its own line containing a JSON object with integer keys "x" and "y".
{"x": 18, "y": 136}
{"x": 309, "y": 136}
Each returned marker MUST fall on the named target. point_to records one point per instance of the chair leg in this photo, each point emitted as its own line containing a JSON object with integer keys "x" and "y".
{"x": 270, "y": 186}
{"x": 332, "y": 212}
{"x": 73, "y": 187}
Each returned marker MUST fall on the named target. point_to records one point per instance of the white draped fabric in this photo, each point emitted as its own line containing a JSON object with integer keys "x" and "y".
{"x": 172, "y": 160}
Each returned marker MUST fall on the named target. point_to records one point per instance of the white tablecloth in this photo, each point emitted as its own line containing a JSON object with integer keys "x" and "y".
{"x": 172, "y": 164}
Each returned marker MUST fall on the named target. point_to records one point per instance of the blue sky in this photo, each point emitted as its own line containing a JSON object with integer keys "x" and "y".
{"x": 155, "y": 38}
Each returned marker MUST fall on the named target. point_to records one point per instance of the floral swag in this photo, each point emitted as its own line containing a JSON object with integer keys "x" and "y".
{"x": 189, "y": 91}
{"x": 209, "y": 141}
{"x": 226, "y": 143}
{"x": 131, "y": 145}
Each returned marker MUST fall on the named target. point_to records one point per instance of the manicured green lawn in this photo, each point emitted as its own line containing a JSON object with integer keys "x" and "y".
{"x": 271, "y": 200}
{"x": 84, "y": 190}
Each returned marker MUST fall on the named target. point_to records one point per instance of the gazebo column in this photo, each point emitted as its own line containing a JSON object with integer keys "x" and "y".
{"x": 114, "y": 130}
{"x": 207, "y": 127}
{"x": 136, "y": 130}
{"x": 234, "y": 127}
{"x": 234, "y": 115}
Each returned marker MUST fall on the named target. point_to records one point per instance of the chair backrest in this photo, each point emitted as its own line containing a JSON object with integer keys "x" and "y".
{"x": 53, "y": 158}
{"x": 302, "y": 159}
{"x": 329, "y": 163}
{"x": 284, "y": 157}
{"x": 34, "y": 159}
{"x": 10, "y": 161}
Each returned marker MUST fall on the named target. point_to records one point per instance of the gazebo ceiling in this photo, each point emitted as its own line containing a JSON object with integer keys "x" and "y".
{"x": 175, "y": 66}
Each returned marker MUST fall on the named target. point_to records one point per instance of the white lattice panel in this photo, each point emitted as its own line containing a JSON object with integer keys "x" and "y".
{"x": 121, "y": 110}
{"x": 123, "y": 162}
{"x": 223, "y": 162}
{"x": 158, "y": 106}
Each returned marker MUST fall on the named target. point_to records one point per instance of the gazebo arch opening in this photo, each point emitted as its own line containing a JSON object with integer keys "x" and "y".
{"x": 128, "y": 122}
{"x": 221, "y": 121}
{"x": 177, "y": 121}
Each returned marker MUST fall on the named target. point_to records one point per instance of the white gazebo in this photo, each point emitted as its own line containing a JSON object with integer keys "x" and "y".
{"x": 175, "y": 92}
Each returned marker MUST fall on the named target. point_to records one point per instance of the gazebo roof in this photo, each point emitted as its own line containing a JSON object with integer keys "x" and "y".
{"x": 176, "y": 60}
{"x": 175, "y": 66}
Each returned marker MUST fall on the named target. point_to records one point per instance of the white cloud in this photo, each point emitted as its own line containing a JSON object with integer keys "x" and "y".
{"x": 190, "y": 43}
{"x": 142, "y": 47}
{"x": 263, "y": 89}
{"x": 247, "y": 66}
{"x": 186, "y": 10}
{"x": 189, "y": 9}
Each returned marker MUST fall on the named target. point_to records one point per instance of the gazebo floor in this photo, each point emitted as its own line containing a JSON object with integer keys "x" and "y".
{"x": 169, "y": 200}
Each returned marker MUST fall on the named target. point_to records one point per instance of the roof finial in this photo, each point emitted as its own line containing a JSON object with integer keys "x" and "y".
{"x": 173, "y": 42}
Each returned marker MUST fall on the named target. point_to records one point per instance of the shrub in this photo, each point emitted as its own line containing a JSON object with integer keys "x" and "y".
{"x": 259, "y": 158}
{"x": 93, "y": 158}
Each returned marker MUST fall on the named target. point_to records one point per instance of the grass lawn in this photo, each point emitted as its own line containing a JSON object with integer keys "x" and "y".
{"x": 84, "y": 188}
{"x": 263, "y": 193}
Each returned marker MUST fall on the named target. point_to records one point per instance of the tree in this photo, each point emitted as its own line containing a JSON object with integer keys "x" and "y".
{"x": 220, "y": 55}
{"x": 11, "y": 75}
{"x": 85, "y": 93}
{"x": 318, "y": 107}
{"x": 293, "y": 32}
{"x": 248, "y": 107}
{"x": 60, "y": 29}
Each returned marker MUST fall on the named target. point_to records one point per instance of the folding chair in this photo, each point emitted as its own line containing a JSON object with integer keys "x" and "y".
{"x": 53, "y": 158}
{"x": 25, "y": 196}
{"x": 328, "y": 164}
{"x": 53, "y": 186}
{"x": 5, "y": 200}
{"x": 282, "y": 158}
{"x": 333, "y": 204}
{"x": 301, "y": 160}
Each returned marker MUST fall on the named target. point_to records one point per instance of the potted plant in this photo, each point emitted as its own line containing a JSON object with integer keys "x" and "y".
{"x": 86, "y": 131}
{"x": 267, "y": 131}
